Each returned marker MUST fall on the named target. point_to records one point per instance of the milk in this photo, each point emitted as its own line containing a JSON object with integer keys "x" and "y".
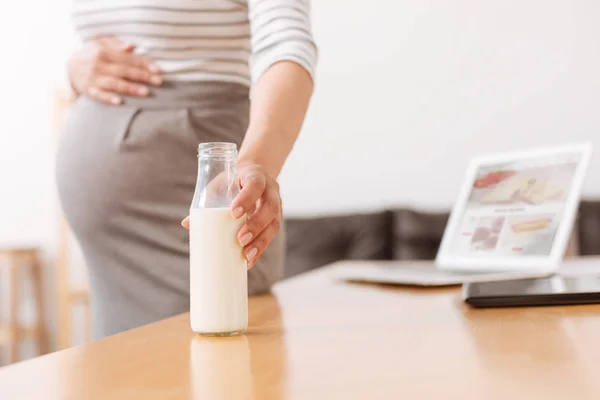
{"x": 218, "y": 273}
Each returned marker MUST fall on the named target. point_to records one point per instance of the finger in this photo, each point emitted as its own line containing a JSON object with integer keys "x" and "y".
{"x": 256, "y": 248}
{"x": 113, "y": 44}
{"x": 133, "y": 60}
{"x": 121, "y": 86}
{"x": 186, "y": 222}
{"x": 104, "y": 96}
{"x": 251, "y": 211}
{"x": 253, "y": 185}
{"x": 268, "y": 210}
{"x": 131, "y": 73}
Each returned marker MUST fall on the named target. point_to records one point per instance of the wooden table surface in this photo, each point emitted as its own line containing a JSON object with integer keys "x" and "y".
{"x": 318, "y": 338}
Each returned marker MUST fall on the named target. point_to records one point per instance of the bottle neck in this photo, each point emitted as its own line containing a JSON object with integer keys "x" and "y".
{"x": 217, "y": 183}
{"x": 211, "y": 167}
{"x": 217, "y": 159}
{"x": 220, "y": 151}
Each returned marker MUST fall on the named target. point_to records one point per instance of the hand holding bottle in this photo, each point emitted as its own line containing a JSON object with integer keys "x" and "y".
{"x": 260, "y": 200}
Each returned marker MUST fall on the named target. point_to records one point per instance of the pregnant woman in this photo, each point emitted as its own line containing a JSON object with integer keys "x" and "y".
{"x": 153, "y": 79}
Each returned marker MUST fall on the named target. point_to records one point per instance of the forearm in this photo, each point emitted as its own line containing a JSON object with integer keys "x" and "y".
{"x": 280, "y": 99}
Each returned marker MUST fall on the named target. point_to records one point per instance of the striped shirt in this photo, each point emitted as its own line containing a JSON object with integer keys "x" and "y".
{"x": 205, "y": 40}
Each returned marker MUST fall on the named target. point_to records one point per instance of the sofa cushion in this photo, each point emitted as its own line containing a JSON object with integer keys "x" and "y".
{"x": 587, "y": 228}
{"x": 417, "y": 235}
{"x": 314, "y": 242}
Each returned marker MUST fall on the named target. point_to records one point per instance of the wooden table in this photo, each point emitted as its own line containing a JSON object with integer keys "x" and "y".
{"x": 317, "y": 338}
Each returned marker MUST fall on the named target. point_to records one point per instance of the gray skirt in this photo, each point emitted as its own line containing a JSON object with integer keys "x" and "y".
{"x": 126, "y": 176}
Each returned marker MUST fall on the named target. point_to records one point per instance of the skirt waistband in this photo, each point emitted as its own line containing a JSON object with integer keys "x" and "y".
{"x": 180, "y": 94}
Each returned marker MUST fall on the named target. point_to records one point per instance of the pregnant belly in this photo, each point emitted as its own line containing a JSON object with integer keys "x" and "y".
{"x": 120, "y": 162}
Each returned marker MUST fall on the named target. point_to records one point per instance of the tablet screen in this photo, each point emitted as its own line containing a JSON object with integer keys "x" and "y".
{"x": 515, "y": 208}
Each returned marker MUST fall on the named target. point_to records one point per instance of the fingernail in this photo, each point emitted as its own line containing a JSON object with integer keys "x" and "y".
{"x": 246, "y": 238}
{"x": 153, "y": 68}
{"x": 142, "y": 91}
{"x": 116, "y": 100}
{"x": 251, "y": 254}
{"x": 237, "y": 212}
{"x": 156, "y": 80}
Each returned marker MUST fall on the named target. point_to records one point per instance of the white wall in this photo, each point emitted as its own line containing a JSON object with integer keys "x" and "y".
{"x": 408, "y": 91}
{"x": 34, "y": 46}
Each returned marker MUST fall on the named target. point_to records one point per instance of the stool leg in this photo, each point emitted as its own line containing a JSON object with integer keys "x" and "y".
{"x": 38, "y": 292}
{"x": 15, "y": 300}
{"x": 88, "y": 322}
{"x": 63, "y": 305}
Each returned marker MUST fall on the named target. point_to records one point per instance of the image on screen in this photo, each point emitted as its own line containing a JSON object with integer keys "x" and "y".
{"x": 514, "y": 208}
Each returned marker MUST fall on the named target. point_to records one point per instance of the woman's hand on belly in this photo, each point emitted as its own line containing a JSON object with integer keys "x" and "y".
{"x": 260, "y": 200}
{"x": 105, "y": 69}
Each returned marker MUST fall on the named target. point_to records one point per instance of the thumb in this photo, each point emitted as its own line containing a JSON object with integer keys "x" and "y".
{"x": 186, "y": 222}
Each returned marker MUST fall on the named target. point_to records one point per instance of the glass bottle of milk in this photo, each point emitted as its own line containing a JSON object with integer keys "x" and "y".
{"x": 218, "y": 270}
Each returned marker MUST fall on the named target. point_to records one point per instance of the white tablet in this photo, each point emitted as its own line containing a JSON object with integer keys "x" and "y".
{"x": 515, "y": 211}
{"x": 421, "y": 273}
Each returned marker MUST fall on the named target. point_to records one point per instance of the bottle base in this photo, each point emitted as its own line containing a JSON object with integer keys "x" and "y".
{"x": 221, "y": 334}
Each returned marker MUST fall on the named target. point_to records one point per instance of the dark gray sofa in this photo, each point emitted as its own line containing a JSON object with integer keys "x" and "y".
{"x": 384, "y": 235}
{"x": 400, "y": 234}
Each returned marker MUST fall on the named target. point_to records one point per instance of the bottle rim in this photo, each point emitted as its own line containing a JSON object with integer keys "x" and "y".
{"x": 217, "y": 149}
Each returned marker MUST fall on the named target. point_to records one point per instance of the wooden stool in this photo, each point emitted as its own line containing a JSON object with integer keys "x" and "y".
{"x": 14, "y": 332}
